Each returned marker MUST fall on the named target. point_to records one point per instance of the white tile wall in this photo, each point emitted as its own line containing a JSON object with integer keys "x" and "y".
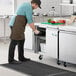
{"x": 65, "y": 1}
{"x": 48, "y": 4}
{"x": 67, "y": 10}
{"x": 21, "y": 1}
{"x": 6, "y": 7}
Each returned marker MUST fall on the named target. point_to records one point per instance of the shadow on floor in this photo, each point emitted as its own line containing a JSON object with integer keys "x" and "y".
{"x": 33, "y": 68}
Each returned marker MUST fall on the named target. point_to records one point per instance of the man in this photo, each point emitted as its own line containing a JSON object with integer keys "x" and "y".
{"x": 17, "y": 23}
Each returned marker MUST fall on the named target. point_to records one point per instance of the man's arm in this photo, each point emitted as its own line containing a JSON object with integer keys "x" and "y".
{"x": 34, "y": 29}
{"x": 72, "y": 19}
{"x": 30, "y": 19}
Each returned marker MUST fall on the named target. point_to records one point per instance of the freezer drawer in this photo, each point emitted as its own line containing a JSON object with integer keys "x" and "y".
{"x": 40, "y": 38}
{"x": 67, "y": 46}
{"x": 51, "y": 42}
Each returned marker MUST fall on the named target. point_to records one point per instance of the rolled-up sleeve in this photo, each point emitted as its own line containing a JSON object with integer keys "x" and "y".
{"x": 29, "y": 15}
{"x": 11, "y": 23}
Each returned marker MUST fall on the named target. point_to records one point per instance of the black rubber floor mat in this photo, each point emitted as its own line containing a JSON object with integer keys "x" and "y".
{"x": 38, "y": 69}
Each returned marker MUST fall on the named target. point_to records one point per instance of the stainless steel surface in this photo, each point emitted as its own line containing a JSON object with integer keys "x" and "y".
{"x": 67, "y": 46}
{"x": 51, "y": 42}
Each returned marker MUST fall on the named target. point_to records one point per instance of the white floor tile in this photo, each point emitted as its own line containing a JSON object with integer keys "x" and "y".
{"x": 46, "y": 60}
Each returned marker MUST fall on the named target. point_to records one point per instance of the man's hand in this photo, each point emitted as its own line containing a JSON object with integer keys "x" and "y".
{"x": 36, "y": 32}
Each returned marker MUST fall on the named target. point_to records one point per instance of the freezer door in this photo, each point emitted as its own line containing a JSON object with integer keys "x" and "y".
{"x": 51, "y": 42}
{"x": 67, "y": 46}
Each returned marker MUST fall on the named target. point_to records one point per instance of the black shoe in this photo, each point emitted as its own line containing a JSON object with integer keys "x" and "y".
{"x": 24, "y": 59}
{"x": 14, "y": 62}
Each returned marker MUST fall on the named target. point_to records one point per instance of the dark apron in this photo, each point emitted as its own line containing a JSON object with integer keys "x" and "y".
{"x": 18, "y": 29}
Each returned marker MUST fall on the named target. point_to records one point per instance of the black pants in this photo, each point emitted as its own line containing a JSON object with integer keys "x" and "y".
{"x": 12, "y": 46}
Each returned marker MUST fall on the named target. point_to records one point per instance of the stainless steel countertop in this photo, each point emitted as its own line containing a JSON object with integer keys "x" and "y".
{"x": 71, "y": 27}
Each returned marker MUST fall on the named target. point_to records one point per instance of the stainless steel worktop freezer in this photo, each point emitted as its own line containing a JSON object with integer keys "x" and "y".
{"x": 67, "y": 44}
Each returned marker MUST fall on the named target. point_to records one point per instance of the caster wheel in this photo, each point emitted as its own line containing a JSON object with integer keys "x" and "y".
{"x": 41, "y": 57}
{"x": 65, "y": 64}
{"x": 58, "y": 62}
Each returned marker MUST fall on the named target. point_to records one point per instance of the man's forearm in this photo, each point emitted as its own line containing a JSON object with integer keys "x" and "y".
{"x": 32, "y": 26}
{"x": 72, "y": 19}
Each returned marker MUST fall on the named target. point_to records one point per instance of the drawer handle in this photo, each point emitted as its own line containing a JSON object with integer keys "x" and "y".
{"x": 54, "y": 34}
